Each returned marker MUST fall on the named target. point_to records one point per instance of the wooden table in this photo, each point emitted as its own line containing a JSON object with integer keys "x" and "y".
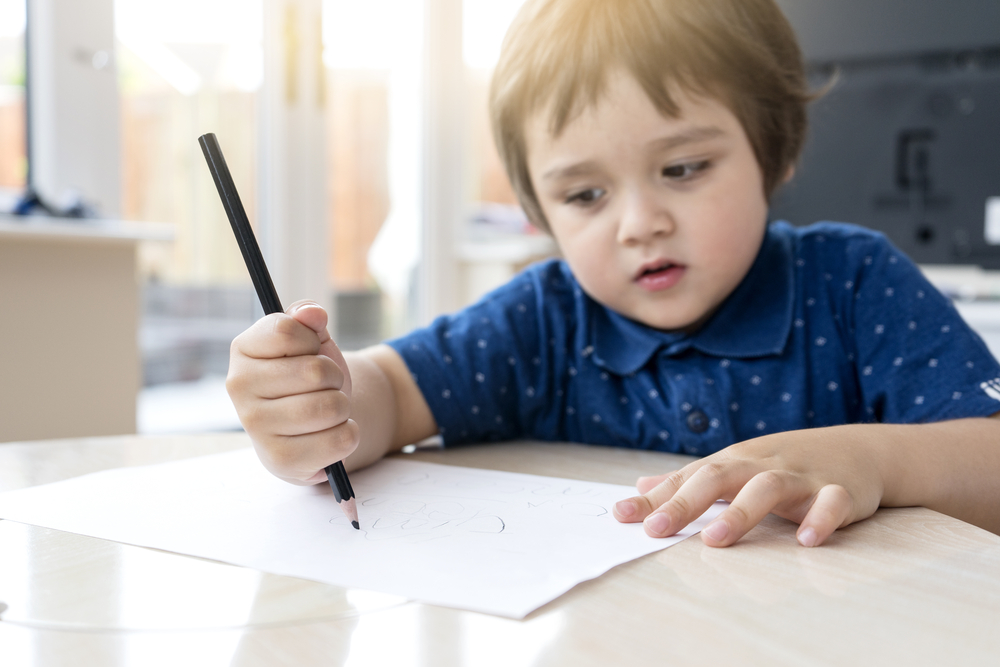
{"x": 906, "y": 587}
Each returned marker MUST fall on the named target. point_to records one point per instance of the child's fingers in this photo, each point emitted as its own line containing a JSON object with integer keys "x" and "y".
{"x": 312, "y": 315}
{"x": 830, "y": 511}
{"x": 633, "y": 510}
{"x": 300, "y": 459}
{"x": 655, "y": 490}
{"x": 298, "y": 414}
{"x": 286, "y": 376}
{"x": 755, "y": 500}
{"x": 706, "y": 485}
{"x": 647, "y": 484}
{"x": 277, "y": 335}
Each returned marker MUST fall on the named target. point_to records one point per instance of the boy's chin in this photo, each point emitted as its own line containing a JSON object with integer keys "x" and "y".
{"x": 674, "y": 324}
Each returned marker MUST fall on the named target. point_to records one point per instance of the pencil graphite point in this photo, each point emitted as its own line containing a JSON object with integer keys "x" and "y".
{"x": 350, "y": 508}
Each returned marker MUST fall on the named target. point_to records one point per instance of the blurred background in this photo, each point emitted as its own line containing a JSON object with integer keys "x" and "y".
{"x": 357, "y": 134}
{"x": 373, "y": 152}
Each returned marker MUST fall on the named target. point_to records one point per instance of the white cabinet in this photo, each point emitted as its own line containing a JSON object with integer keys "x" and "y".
{"x": 69, "y": 312}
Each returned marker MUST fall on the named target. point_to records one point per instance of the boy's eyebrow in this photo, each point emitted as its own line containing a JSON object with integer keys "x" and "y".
{"x": 689, "y": 136}
{"x": 577, "y": 169}
{"x": 686, "y": 136}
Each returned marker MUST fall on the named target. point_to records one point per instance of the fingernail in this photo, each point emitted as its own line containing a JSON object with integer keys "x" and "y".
{"x": 625, "y": 508}
{"x": 658, "y": 523}
{"x": 717, "y": 531}
{"x": 303, "y": 306}
{"x": 807, "y": 537}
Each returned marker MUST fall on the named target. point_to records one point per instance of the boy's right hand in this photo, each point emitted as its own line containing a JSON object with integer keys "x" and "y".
{"x": 292, "y": 390}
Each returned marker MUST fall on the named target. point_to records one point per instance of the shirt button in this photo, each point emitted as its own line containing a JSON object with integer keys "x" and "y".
{"x": 697, "y": 421}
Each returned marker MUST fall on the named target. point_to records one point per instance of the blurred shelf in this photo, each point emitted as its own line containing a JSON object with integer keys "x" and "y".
{"x": 505, "y": 248}
{"x": 85, "y": 230}
{"x": 964, "y": 283}
{"x": 487, "y": 260}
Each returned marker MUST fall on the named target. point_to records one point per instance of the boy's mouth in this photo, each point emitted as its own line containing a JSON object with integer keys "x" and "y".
{"x": 659, "y": 275}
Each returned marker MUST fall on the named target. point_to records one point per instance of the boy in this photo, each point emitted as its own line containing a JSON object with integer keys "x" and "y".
{"x": 646, "y": 136}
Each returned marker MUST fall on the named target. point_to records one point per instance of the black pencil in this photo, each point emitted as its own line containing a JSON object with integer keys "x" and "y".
{"x": 336, "y": 474}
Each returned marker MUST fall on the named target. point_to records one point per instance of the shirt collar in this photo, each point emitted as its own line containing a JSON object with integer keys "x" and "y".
{"x": 754, "y": 321}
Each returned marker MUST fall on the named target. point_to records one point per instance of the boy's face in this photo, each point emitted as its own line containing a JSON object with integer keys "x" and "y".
{"x": 659, "y": 218}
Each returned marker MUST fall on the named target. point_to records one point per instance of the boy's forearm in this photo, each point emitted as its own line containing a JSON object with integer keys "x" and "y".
{"x": 952, "y": 467}
{"x": 387, "y": 405}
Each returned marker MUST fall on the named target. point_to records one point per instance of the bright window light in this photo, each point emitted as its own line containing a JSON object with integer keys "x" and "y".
{"x": 484, "y": 24}
{"x": 374, "y": 34}
{"x": 158, "y": 32}
{"x": 11, "y": 18}
{"x": 193, "y": 21}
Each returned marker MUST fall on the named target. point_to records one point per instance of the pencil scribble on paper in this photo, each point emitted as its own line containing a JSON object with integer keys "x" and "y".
{"x": 424, "y": 506}
{"x": 414, "y": 520}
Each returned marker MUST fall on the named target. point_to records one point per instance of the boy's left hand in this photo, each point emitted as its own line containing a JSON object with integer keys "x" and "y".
{"x": 797, "y": 475}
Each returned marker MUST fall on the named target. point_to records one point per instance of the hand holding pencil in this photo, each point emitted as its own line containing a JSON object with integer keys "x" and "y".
{"x": 292, "y": 390}
{"x": 288, "y": 379}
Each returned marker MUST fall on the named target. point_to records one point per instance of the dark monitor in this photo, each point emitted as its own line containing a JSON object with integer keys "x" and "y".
{"x": 907, "y": 141}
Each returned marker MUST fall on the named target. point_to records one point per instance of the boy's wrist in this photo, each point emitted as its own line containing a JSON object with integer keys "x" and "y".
{"x": 891, "y": 463}
{"x": 946, "y": 466}
{"x": 913, "y": 464}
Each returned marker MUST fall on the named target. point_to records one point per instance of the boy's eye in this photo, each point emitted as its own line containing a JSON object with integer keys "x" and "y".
{"x": 588, "y": 196}
{"x": 682, "y": 172}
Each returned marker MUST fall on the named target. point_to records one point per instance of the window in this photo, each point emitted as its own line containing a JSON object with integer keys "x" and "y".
{"x": 377, "y": 134}
{"x": 372, "y": 53}
{"x": 483, "y": 30}
{"x": 497, "y": 240}
{"x": 180, "y": 78}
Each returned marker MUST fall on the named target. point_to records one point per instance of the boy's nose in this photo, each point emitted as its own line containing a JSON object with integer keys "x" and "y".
{"x": 643, "y": 218}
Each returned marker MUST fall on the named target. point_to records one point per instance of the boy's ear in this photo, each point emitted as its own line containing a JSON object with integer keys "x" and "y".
{"x": 789, "y": 173}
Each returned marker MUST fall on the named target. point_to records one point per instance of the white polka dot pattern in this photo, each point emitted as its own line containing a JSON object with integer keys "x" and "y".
{"x": 852, "y": 333}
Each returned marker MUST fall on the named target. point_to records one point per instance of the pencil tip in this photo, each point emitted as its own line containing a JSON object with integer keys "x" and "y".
{"x": 351, "y": 510}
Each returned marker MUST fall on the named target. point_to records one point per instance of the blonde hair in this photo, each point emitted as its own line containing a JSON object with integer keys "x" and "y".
{"x": 557, "y": 54}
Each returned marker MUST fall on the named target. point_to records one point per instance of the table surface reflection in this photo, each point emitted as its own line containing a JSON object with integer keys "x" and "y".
{"x": 907, "y": 586}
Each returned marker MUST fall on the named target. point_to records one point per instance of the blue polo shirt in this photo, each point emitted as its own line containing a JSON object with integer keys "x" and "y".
{"x": 831, "y": 325}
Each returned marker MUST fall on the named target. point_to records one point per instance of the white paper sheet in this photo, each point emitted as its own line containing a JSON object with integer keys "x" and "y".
{"x": 495, "y": 542}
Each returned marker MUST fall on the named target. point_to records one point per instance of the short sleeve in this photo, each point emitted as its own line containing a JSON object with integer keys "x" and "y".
{"x": 488, "y": 371}
{"x": 916, "y": 358}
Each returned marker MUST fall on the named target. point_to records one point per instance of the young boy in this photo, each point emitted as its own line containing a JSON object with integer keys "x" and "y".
{"x": 816, "y": 370}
